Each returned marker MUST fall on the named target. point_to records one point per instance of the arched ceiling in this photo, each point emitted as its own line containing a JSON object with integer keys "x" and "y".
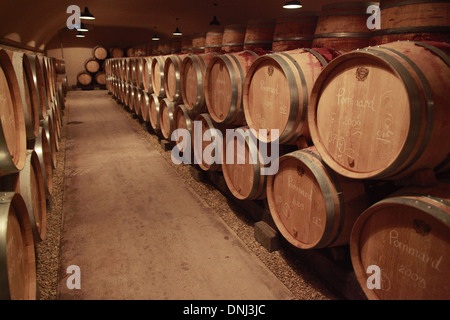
{"x": 35, "y": 23}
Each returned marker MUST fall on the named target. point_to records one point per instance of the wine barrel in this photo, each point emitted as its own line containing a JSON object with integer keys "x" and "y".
{"x": 276, "y": 92}
{"x": 242, "y": 165}
{"x": 259, "y": 34}
{"x": 224, "y": 83}
{"x": 84, "y": 78}
{"x": 145, "y": 105}
{"x": 213, "y": 40}
{"x": 17, "y": 253}
{"x": 207, "y": 135}
{"x": 56, "y": 129}
{"x": 407, "y": 236}
{"x": 91, "y": 65}
{"x": 139, "y": 69}
{"x": 420, "y": 20}
{"x": 343, "y": 26}
{"x": 100, "y": 78}
{"x": 157, "y": 69}
{"x": 37, "y": 88}
{"x": 172, "y": 76}
{"x": 100, "y": 53}
{"x": 154, "y": 109}
{"x": 166, "y": 119}
{"x": 116, "y": 52}
{"x": 176, "y": 45}
{"x": 46, "y": 80}
{"x": 233, "y": 38}
{"x": 129, "y": 52}
{"x": 60, "y": 66}
{"x": 24, "y": 81}
{"x": 47, "y": 124}
{"x": 43, "y": 152}
{"x": 294, "y": 31}
{"x": 13, "y": 137}
{"x": 182, "y": 120}
{"x": 311, "y": 206}
{"x": 198, "y": 43}
{"x": 147, "y": 75}
{"x": 137, "y": 101}
{"x": 192, "y": 76}
{"x": 33, "y": 193}
{"x": 186, "y": 44}
{"x": 380, "y": 113}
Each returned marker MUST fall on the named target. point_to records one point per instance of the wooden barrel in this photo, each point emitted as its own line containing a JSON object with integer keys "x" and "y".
{"x": 166, "y": 119}
{"x": 198, "y": 43}
{"x": 259, "y": 34}
{"x": 131, "y": 71}
{"x": 213, "y": 40}
{"x": 52, "y": 113}
{"x": 139, "y": 70}
{"x": 413, "y": 20}
{"x": 60, "y": 66}
{"x": 380, "y": 113}
{"x": 25, "y": 82}
{"x": 92, "y": 65}
{"x": 99, "y": 53}
{"x": 343, "y": 26}
{"x": 158, "y": 75}
{"x": 186, "y": 44}
{"x": 276, "y": 92}
{"x": 48, "y": 126}
{"x": 33, "y": 193}
{"x": 17, "y": 253}
{"x": 155, "y": 103}
{"x": 406, "y": 235}
{"x": 84, "y": 78}
{"x": 147, "y": 75}
{"x": 42, "y": 149}
{"x": 294, "y": 31}
{"x": 37, "y": 89}
{"x": 130, "y": 98}
{"x": 233, "y": 38}
{"x": 129, "y": 52}
{"x": 311, "y": 206}
{"x": 242, "y": 166}
{"x": 207, "y": 134}
{"x": 176, "y": 42}
{"x": 182, "y": 120}
{"x": 13, "y": 137}
{"x": 137, "y": 101}
{"x": 224, "y": 84}
{"x": 100, "y": 78}
{"x": 172, "y": 76}
{"x": 145, "y": 105}
{"x": 47, "y": 80}
{"x": 192, "y": 74}
{"x": 116, "y": 52}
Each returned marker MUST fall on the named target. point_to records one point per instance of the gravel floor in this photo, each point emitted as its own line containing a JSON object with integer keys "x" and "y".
{"x": 296, "y": 275}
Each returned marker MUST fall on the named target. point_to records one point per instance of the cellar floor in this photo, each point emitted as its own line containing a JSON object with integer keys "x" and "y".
{"x": 134, "y": 228}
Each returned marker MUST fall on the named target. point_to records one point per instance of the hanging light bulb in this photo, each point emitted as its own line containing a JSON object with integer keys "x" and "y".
{"x": 82, "y": 28}
{"x": 80, "y": 35}
{"x": 177, "y": 31}
{"x": 86, "y": 15}
{"x": 292, "y": 5}
{"x": 155, "y": 36}
{"x": 214, "y": 21}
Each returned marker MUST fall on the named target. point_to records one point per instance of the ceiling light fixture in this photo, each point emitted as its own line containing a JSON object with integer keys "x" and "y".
{"x": 293, "y": 4}
{"x": 214, "y": 21}
{"x": 86, "y": 15}
{"x": 80, "y": 35}
{"x": 82, "y": 28}
{"x": 177, "y": 31}
{"x": 155, "y": 36}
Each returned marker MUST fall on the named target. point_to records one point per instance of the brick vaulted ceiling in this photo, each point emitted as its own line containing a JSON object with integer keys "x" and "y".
{"x": 35, "y": 23}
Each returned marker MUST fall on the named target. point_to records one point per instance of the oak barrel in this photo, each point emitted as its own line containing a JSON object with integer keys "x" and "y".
{"x": 48, "y": 126}
{"x": 157, "y": 74}
{"x": 155, "y": 103}
{"x": 193, "y": 71}
{"x": 92, "y": 65}
{"x": 242, "y": 165}
{"x": 17, "y": 253}
{"x": 380, "y": 113}
{"x": 198, "y": 43}
{"x": 145, "y": 105}
{"x": 100, "y": 53}
{"x": 406, "y": 235}
{"x": 312, "y": 206}
{"x": 172, "y": 76}
{"x": 13, "y": 137}
{"x": 259, "y": 34}
{"x": 116, "y": 52}
{"x": 100, "y": 78}
{"x": 213, "y": 40}
{"x": 276, "y": 92}
{"x": 233, "y": 38}
{"x": 182, "y": 120}
{"x": 186, "y": 44}
{"x": 42, "y": 149}
{"x": 294, "y": 31}
{"x": 37, "y": 88}
{"x": 166, "y": 117}
{"x": 207, "y": 135}
{"x": 147, "y": 75}
{"x": 343, "y": 26}
{"x": 419, "y": 20}
{"x": 223, "y": 86}
{"x": 84, "y": 78}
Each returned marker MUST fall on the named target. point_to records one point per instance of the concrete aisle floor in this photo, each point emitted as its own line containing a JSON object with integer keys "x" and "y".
{"x": 135, "y": 229}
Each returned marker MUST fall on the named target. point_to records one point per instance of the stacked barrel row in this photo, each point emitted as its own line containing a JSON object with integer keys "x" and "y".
{"x": 353, "y": 126}
{"x": 32, "y": 102}
{"x": 94, "y": 68}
